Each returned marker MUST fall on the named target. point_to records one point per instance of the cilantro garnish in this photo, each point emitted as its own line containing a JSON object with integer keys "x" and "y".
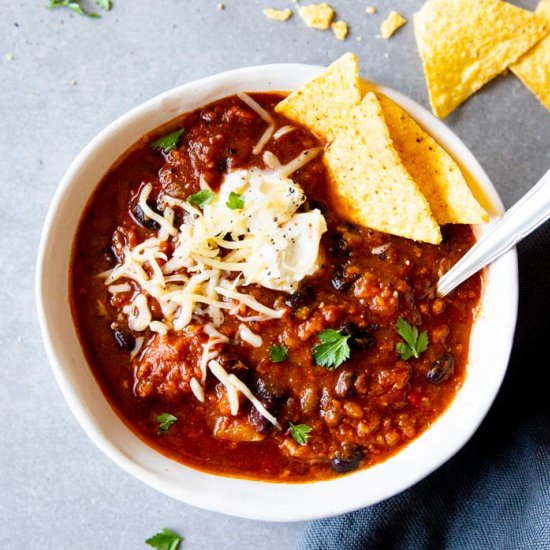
{"x": 165, "y": 540}
{"x": 278, "y": 353}
{"x": 165, "y": 420}
{"x": 235, "y": 201}
{"x": 73, "y": 5}
{"x": 333, "y": 349}
{"x": 201, "y": 198}
{"x": 300, "y": 432}
{"x": 169, "y": 142}
{"x": 414, "y": 344}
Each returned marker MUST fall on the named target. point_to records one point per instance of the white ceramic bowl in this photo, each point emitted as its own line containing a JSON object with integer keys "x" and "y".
{"x": 239, "y": 497}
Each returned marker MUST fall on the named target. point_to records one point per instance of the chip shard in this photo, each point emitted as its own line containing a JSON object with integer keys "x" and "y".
{"x": 373, "y": 185}
{"x": 317, "y": 16}
{"x": 393, "y": 22}
{"x": 466, "y": 43}
{"x": 340, "y": 29}
{"x": 533, "y": 68}
{"x": 325, "y": 103}
{"x": 432, "y": 168}
{"x": 277, "y": 15}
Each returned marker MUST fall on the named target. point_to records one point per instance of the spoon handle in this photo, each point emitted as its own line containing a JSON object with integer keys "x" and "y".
{"x": 532, "y": 210}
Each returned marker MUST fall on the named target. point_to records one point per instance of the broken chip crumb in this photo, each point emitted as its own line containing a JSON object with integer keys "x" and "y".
{"x": 317, "y": 16}
{"x": 340, "y": 29}
{"x": 277, "y": 15}
{"x": 466, "y": 43}
{"x": 371, "y": 10}
{"x": 8, "y": 56}
{"x": 221, "y": 6}
{"x": 394, "y": 21}
{"x": 533, "y": 69}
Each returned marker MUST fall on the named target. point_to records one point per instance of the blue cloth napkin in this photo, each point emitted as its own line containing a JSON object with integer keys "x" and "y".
{"x": 495, "y": 493}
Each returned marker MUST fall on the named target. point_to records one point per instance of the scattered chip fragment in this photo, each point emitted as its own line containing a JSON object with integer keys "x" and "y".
{"x": 340, "y": 29}
{"x": 533, "y": 68}
{"x": 317, "y": 16}
{"x": 374, "y": 186}
{"x": 325, "y": 104}
{"x": 277, "y": 15}
{"x": 466, "y": 43}
{"x": 371, "y": 10}
{"x": 432, "y": 168}
{"x": 394, "y": 21}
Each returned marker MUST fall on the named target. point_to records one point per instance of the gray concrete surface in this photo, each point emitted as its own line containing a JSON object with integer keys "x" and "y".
{"x": 62, "y": 79}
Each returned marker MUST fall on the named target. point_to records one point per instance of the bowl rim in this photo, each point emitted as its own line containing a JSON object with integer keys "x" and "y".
{"x": 257, "y": 499}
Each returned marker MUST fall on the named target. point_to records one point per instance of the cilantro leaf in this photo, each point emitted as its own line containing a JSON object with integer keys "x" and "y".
{"x": 165, "y": 540}
{"x": 165, "y": 420}
{"x": 278, "y": 353}
{"x": 300, "y": 432}
{"x": 235, "y": 201}
{"x": 104, "y": 4}
{"x": 201, "y": 198}
{"x": 169, "y": 142}
{"x": 414, "y": 344}
{"x": 333, "y": 349}
{"x": 73, "y": 6}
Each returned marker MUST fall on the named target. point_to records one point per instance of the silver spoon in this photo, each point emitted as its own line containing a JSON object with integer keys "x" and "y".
{"x": 532, "y": 210}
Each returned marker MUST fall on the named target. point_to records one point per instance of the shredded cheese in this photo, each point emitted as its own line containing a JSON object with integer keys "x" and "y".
{"x": 232, "y": 395}
{"x": 137, "y": 347}
{"x": 283, "y": 130}
{"x": 197, "y": 390}
{"x": 239, "y": 385}
{"x": 250, "y": 337}
{"x": 266, "y": 136}
{"x": 232, "y": 386}
{"x": 117, "y": 289}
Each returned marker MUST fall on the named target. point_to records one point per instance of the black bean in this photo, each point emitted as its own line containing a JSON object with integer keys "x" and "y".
{"x": 338, "y": 245}
{"x": 110, "y": 257}
{"x": 260, "y": 422}
{"x": 124, "y": 340}
{"x": 266, "y": 390}
{"x": 270, "y": 401}
{"x": 346, "y": 464}
{"x": 302, "y": 297}
{"x": 441, "y": 369}
{"x": 143, "y": 220}
{"x": 319, "y": 205}
{"x": 232, "y": 363}
{"x": 224, "y": 165}
{"x": 361, "y": 338}
{"x": 344, "y": 383}
{"x": 341, "y": 281}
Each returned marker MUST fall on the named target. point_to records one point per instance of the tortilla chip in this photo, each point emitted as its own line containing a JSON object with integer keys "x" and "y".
{"x": 466, "y": 43}
{"x": 317, "y": 16}
{"x": 533, "y": 69}
{"x": 324, "y": 104}
{"x": 432, "y": 168}
{"x": 277, "y": 15}
{"x": 394, "y": 21}
{"x": 373, "y": 185}
{"x": 340, "y": 29}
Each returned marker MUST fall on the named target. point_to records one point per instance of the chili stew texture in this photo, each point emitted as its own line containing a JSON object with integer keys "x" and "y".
{"x": 332, "y": 420}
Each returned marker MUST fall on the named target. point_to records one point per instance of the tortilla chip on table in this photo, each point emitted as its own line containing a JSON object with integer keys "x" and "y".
{"x": 533, "y": 68}
{"x": 466, "y": 43}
